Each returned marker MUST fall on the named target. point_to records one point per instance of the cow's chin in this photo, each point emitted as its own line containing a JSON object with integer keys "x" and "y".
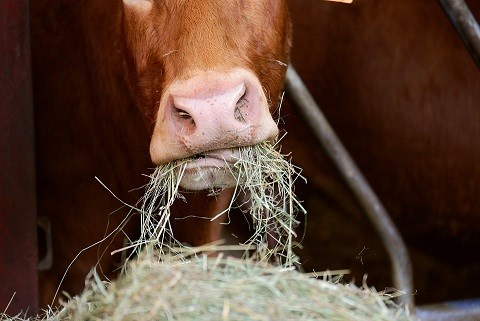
{"x": 212, "y": 171}
{"x": 203, "y": 178}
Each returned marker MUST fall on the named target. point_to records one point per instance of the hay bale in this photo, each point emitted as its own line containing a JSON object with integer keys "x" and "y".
{"x": 218, "y": 288}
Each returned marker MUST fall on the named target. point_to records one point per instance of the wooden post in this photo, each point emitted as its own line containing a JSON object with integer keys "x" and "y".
{"x": 18, "y": 240}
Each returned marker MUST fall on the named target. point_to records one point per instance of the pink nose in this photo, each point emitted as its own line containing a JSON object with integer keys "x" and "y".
{"x": 211, "y": 111}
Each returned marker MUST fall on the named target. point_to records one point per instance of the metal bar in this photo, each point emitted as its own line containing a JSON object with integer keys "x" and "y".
{"x": 467, "y": 26}
{"x": 402, "y": 270}
{"x": 18, "y": 240}
{"x": 466, "y": 310}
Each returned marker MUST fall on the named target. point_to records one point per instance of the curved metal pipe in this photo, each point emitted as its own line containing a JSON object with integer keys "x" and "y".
{"x": 467, "y": 26}
{"x": 393, "y": 242}
{"x": 464, "y": 310}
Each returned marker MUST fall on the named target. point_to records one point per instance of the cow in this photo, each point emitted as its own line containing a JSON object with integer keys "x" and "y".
{"x": 403, "y": 94}
{"x": 123, "y": 86}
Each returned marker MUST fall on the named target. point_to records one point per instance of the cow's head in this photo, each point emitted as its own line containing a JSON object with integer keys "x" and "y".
{"x": 206, "y": 74}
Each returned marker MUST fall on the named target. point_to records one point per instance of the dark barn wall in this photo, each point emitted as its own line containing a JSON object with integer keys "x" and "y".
{"x": 18, "y": 249}
{"x": 403, "y": 94}
{"x": 86, "y": 126}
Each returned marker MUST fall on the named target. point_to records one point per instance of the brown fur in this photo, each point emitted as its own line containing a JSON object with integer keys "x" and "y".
{"x": 181, "y": 37}
{"x": 91, "y": 122}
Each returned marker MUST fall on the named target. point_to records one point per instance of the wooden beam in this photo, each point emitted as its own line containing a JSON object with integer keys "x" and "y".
{"x": 18, "y": 240}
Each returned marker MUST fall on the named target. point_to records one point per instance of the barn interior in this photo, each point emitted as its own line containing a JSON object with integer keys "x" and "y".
{"x": 401, "y": 91}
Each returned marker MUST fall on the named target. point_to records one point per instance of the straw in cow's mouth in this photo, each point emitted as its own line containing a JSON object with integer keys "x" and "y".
{"x": 267, "y": 179}
{"x": 198, "y": 156}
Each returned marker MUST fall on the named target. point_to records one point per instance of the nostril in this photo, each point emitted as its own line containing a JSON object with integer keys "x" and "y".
{"x": 240, "y": 107}
{"x": 183, "y": 119}
{"x": 182, "y": 113}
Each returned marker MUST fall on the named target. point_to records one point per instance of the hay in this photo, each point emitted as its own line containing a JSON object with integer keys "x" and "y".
{"x": 199, "y": 288}
{"x": 262, "y": 173}
{"x": 171, "y": 281}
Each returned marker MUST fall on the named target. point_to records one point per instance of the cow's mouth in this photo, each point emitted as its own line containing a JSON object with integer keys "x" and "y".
{"x": 216, "y": 159}
{"x": 212, "y": 169}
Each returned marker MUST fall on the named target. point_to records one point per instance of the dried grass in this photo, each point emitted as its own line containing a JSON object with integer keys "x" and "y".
{"x": 263, "y": 174}
{"x": 169, "y": 281}
{"x": 198, "y": 287}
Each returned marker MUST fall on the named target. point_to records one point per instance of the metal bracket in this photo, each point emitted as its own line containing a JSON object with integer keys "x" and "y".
{"x": 46, "y": 262}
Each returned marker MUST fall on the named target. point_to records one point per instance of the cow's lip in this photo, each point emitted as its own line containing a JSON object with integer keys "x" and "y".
{"x": 214, "y": 159}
